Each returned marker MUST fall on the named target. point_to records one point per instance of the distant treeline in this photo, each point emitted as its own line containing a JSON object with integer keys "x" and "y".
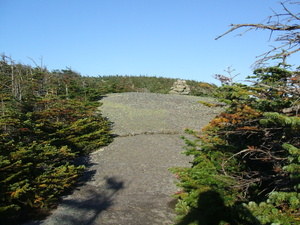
{"x": 117, "y": 83}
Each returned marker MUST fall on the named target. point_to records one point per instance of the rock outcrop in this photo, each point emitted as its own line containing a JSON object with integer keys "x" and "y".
{"x": 180, "y": 87}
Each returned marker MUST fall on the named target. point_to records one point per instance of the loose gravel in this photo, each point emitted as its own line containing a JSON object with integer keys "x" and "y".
{"x": 128, "y": 182}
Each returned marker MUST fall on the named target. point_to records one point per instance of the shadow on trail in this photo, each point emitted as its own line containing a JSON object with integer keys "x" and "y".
{"x": 94, "y": 203}
{"x": 95, "y": 200}
{"x": 211, "y": 210}
{"x": 87, "y": 201}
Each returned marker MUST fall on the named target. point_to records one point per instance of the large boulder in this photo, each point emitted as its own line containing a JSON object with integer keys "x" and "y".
{"x": 180, "y": 87}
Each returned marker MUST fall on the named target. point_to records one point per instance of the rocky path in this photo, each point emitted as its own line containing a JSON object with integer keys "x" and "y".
{"x": 128, "y": 182}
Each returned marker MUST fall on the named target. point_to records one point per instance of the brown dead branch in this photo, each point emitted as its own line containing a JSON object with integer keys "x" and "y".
{"x": 286, "y": 23}
{"x": 252, "y": 151}
{"x": 278, "y": 27}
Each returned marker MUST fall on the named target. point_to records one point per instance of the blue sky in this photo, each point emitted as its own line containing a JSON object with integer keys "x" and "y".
{"x": 163, "y": 38}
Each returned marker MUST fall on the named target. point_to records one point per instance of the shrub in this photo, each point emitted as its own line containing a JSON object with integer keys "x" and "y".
{"x": 249, "y": 154}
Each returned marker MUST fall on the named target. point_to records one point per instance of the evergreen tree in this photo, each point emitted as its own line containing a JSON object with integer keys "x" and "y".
{"x": 41, "y": 134}
{"x": 249, "y": 154}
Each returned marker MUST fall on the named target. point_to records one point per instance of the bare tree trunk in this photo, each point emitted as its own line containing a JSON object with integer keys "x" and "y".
{"x": 67, "y": 91}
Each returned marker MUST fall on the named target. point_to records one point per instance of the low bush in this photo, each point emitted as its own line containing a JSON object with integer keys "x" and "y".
{"x": 247, "y": 157}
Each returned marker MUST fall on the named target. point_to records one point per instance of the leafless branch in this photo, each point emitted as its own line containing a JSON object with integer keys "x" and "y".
{"x": 288, "y": 90}
{"x": 287, "y": 23}
{"x": 277, "y": 27}
{"x": 228, "y": 80}
{"x": 251, "y": 151}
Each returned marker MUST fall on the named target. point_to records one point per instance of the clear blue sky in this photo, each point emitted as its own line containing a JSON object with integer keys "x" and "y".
{"x": 163, "y": 38}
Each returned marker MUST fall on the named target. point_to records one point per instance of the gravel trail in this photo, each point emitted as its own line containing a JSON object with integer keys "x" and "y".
{"x": 128, "y": 182}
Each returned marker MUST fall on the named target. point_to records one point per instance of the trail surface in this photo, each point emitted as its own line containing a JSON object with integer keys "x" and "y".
{"x": 128, "y": 182}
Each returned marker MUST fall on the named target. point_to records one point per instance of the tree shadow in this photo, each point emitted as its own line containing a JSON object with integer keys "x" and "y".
{"x": 211, "y": 210}
{"x": 95, "y": 201}
{"x": 85, "y": 202}
{"x": 88, "y": 173}
{"x": 85, "y": 210}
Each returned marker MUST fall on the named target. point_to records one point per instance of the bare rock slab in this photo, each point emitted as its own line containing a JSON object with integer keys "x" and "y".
{"x": 128, "y": 182}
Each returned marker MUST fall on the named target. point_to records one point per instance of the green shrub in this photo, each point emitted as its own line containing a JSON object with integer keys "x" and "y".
{"x": 248, "y": 155}
{"x": 41, "y": 135}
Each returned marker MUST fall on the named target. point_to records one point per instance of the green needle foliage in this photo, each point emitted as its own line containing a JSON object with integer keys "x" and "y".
{"x": 44, "y": 127}
{"x": 47, "y": 120}
{"x": 248, "y": 157}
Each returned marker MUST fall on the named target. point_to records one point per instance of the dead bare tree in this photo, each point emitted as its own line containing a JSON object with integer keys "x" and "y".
{"x": 287, "y": 22}
{"x": 227, "y": 80}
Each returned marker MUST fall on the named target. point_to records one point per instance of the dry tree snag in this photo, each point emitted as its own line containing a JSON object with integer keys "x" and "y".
{"x": 287, "y": 22}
